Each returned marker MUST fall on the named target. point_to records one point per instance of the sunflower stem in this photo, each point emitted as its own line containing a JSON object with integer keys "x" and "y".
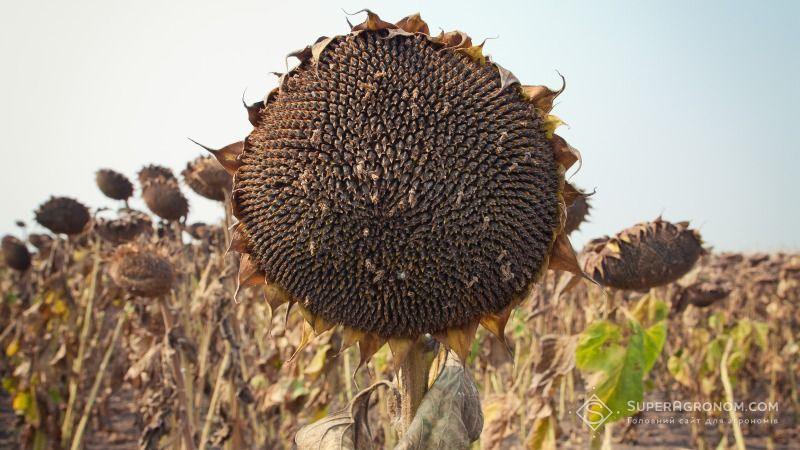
{"x": 412, "y": 382}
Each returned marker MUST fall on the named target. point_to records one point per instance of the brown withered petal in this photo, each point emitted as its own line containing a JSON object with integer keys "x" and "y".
{"x": 40, "y": 241}
{"x": 141, "y": 272}
{"x": 164, "y": 198}
{"x": 63, "y": 215}
{"x": 208, "y": 178}
{"x": 153, "y": 171}
{"x": 398, "y": 186}
{"x": 124, "y": 228}
{"x": 643, "y": 256}
{"x": 16, "y": 254}
{"x": 113, "y": 184}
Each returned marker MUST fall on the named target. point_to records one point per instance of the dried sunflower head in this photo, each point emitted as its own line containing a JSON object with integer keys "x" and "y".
{"x": 701, "y": 294}
{"x": 643, "y": 256}
{"x": 155, "y": 171}
{"x": 208, "y": 178}
{"x": 113, "y": 184}
{"x": 399, "y": 184}
{"x": 164, "y": 198}
{"x": 15, "y": 253}
{"x": 141, "y": 272}
{"x": 63, "y": 215}
{"x": 125, "y": 228}
{"x": 577, "y": 210}
{"x": 42, "y": 242}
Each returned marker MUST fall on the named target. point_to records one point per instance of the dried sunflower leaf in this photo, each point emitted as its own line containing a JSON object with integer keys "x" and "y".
{"x": 347, "y": 429}
{"x": 449, "y": 417}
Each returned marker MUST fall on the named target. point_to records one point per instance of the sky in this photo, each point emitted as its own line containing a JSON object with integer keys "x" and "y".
{"x": 681, "y": 109}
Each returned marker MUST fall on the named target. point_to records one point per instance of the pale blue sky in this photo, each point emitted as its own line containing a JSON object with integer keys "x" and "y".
{"x": 681, "y": 108}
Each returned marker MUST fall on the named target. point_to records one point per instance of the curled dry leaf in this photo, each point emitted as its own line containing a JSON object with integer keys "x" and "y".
{"x": 450, "y": 416}
{"x": 347, "y": 429}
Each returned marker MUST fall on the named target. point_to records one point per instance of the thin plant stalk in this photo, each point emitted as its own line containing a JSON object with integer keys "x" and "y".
{"x": 212, "y": 405}
{"x": 98, "y": 379}
{"x": 177, "y": 373}
{"x": 726, "y": 384}
{"x": 77, "y": 367}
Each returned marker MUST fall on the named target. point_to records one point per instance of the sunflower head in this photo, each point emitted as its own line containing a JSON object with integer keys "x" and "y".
{"x": 208, "y": 178}
{"x": 399, "y": 184}
{"x": 141, "y": 272}
{"x": 643, "y": 256}
{"x": 164, "y": 198}
{"x": 701, "y": 294}
{"x": 153, "y": 171}
{"x": 577, "y": 211}
{"x": 114, "y": 185}
{"x": 42, "y": 242}
{"x": 125, "y": 228}
{"x": 63, "y": 215}
{"x": 15, "y": 253}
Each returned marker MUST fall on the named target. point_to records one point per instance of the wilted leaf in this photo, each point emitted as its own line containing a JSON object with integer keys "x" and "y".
{"x": 347, "y": 429}
{"x": 449, "y": 417}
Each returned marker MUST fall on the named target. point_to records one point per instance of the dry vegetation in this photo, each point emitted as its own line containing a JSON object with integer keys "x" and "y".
{"x": 87, "y": 360}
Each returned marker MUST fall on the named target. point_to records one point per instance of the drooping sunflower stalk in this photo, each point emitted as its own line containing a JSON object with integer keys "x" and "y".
{"x": 400, "y": 184}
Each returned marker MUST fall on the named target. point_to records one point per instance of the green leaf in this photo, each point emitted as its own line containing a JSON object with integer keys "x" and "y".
{"x": 599, "y": 342}
{"x": 654, "y": 338}
{"x": 741, "y": 333}
{"x": 717, "y": 322}
{"x": 678, "y": 367}
{"x": 621, "y": 382}
{"x": 650, "y": 310}
{"x": 761, "y": 334}
{"x": 713, "y": 356}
